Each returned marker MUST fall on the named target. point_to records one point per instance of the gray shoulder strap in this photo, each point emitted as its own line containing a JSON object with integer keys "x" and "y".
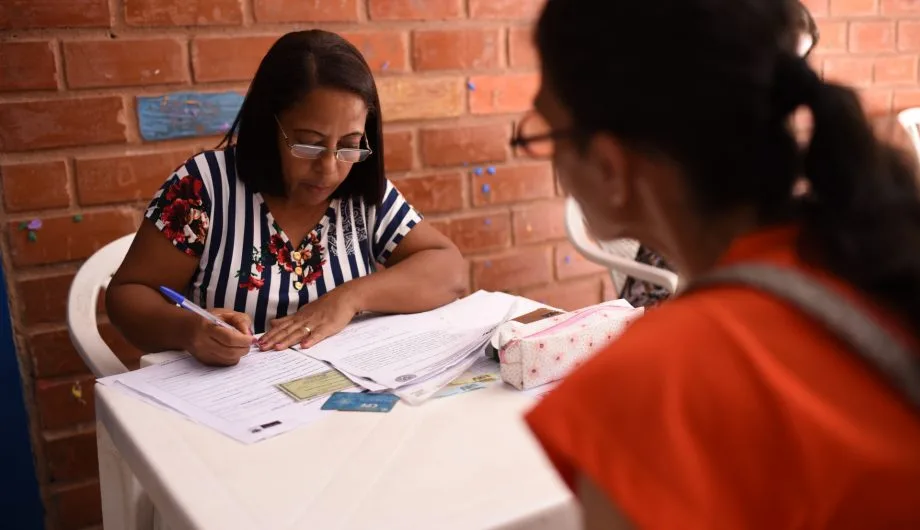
{"x": 868, "y": 339}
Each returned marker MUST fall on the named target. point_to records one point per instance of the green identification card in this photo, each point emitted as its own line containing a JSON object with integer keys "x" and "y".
{"x": 481, "y": 378}
{"x": 316, "y": 385}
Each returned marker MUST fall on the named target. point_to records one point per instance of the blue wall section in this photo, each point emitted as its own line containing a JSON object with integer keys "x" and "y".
{"x": 20, "y": 501}
{"x": 187, "y": 114}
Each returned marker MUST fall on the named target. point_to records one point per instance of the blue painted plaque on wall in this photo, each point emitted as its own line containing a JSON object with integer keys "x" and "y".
{"x": 186, "y": 114}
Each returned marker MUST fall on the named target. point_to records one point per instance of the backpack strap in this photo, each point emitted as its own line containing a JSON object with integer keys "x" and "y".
{"x": 876, "y": 346}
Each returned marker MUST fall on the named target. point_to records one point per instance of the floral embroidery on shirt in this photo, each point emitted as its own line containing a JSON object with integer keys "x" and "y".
{"x": 305, "y": 264}
{"x": 184, "y": 216}
{"x": 253, "y": 280}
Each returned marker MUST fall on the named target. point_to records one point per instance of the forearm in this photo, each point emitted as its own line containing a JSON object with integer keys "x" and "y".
{"x": 423, "y": 281}
{"x": 147, "y": 320}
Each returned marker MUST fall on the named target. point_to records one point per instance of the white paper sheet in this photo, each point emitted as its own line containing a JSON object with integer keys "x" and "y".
{"x": 417, "y": 393}
{"x": 394, "y": 351}
{"x": 240, "y": 401}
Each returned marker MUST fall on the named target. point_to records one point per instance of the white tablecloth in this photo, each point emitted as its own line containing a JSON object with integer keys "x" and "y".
{"x": 461, "y": 462}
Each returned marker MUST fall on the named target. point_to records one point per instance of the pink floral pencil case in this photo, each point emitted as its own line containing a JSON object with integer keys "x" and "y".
{"x": 536, "y": 353}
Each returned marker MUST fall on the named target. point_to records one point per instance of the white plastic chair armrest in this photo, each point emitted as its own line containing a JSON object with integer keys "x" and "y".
{"x": 578, "y": 234}
{"x": 82, "y": 301}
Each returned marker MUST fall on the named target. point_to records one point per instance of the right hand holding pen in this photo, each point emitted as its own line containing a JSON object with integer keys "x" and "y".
{"x": 215, "y": 345}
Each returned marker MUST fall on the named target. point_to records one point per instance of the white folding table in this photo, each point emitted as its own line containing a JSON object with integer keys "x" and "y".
{"x": 460, "y": 462}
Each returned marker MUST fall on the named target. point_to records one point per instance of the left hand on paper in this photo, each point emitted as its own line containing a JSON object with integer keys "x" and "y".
{"x": 312, "y": 323}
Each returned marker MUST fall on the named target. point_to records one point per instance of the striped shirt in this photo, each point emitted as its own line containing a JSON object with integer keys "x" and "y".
{"x": 247, "y": 263}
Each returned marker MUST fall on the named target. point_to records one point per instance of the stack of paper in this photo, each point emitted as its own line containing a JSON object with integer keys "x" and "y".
{"x": 415, "y": 356}
{"x": 270, "y": 393}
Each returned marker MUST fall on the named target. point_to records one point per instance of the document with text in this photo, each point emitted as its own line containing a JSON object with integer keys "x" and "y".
{"x": 395, "y": 351}
{"x": 242, "y": 401}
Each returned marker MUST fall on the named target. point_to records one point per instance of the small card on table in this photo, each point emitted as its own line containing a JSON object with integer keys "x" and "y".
{"x": 361, "y": 402}
{"x": 316, "y": 385}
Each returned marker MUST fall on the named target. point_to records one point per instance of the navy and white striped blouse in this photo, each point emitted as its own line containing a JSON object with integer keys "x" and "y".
{"x": 247, "y": 262}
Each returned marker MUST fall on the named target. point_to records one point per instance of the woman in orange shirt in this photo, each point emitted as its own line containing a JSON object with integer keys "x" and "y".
{"x": 726, "y": 407}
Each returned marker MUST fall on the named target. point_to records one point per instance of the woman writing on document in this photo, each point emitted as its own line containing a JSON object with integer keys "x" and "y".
{"x": 733, "y": 406}
{"x": 280, "y": 229}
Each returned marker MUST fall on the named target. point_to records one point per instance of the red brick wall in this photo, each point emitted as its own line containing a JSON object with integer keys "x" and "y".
{"x": 70, "y": 146}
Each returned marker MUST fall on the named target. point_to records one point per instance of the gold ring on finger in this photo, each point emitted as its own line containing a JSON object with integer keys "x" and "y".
{"x": 307, "y": 330}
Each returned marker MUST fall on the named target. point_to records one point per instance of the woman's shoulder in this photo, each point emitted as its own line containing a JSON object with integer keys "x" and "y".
{"x": 208, "y": 164}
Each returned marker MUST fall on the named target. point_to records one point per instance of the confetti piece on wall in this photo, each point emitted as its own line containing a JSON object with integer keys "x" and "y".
{"x": 385, "y": 65}
{"x": 486, "y": 188}
{"x": 33, "y": 237}
{"x": 35, "y": 224}
{"x": 77, "y": 392}
{"x": 568, "y": 260}
{"x": 487, "y": 264}
{"x": 23, "y": 225}
{"x": 488, "y": 222}
{"x": 478, "y": 171}
{"x": 78, "y": 218}
{"x": 470, "y": 85}
{"x": 491, "y": 170}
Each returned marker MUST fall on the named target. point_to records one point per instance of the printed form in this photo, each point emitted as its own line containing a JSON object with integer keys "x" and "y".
{"x": 241, "y": 401}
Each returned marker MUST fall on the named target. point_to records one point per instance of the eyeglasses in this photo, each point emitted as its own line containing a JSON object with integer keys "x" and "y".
{"x": 312, "y": 152}
{"x": 535, "y": 137}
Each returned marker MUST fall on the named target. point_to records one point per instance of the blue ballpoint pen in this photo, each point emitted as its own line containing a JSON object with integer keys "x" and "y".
{"x": 182, "y": 302}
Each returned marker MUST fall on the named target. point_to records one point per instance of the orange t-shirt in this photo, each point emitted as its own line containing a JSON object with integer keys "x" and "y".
{"x": 729, "y": 409}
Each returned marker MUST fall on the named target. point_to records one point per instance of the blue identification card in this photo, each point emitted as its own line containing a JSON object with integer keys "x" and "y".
{"x": 361, "y": 402}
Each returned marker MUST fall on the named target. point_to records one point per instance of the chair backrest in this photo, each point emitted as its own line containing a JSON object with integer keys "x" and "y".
{"x": 82, "y": 302}
{"x": 619, "y": 256}
{"x": 910, "y": 121}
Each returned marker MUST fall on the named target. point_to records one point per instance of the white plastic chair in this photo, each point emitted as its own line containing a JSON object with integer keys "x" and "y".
{"x": 619, "y": 255}
{"x": 125, "y": 505}
{"x": 910, "y": 121}
{"x": 92, "y": 277}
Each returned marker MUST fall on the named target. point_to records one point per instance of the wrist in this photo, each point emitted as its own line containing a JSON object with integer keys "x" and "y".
{"x": 187, "y": 326}
{"x": 352, "y": 295}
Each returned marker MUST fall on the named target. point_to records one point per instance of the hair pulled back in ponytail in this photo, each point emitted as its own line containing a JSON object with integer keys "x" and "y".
{"x": 861, "y": 219}
{"x": 714, "y": 92}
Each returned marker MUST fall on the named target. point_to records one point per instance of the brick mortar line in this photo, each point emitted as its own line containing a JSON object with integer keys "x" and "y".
{"x": 248, "y": 10}
{"x": 130, "y": 91}
{"x": 87, "y": 152}
{"x": 58, "y": 54}
{"x": 45, "y": 272}
{"x": 69, "y": 93}
{"x": 130, "y": 120}
{"x": 116, "y": 15}
{"x": 16, "y": 217}
{"x": 122, "y": 30}
{"x": 54, "y": 435}
{"x": 70, "y": 171}
{"x": 64, "y": 379}
{"x": 64, "y": 487}
{"x": 144, "y": 147}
